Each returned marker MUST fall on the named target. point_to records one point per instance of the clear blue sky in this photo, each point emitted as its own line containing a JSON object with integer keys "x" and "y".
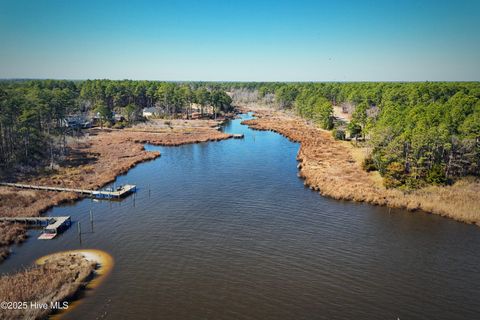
{"x": 246, "y": 40}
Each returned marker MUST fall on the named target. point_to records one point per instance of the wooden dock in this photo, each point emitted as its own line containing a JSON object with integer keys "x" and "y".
{"x": 117, "y": 193}
{"x": 53, "y": 225}
{"x": 28, "y": 220}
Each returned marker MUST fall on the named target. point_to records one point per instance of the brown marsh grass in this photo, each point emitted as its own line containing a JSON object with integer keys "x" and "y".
{"x": 94, "y": 162}
{"x": 56, "y": 280}
{"x": 329, "y": 167}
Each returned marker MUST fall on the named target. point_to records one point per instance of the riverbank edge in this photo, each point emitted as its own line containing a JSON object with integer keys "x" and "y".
{"x": 446, "y": 201}
{"x": 151, "y": 155}
{"x": 64, "y": 284}
{"x": 104, "y": 263}
{"x": 90, "y": 266}
{"x": 137, "y": 138}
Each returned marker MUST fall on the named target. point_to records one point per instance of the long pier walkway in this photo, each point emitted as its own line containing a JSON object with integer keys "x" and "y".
{"x": 28, "y": 220}
{"x": 117, "y": 193}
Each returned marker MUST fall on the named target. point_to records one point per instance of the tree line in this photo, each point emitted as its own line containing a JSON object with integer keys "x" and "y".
{"x": 172, "y": 99}
{"x": 31, "y": 116}
{"x": 33, "y": 113}
{"x": 418, "y": 133}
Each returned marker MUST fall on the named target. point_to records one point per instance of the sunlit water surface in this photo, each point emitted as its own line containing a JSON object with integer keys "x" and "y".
{"x": 226, "y": 230}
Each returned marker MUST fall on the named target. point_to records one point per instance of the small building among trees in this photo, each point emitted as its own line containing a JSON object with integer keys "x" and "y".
{"x": 150, "y": 112}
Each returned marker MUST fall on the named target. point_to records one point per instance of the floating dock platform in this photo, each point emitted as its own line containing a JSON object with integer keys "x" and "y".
{"x": 53, "y": 225}
{"x": 56, "y": 226}
{"x": 116, "y": 193}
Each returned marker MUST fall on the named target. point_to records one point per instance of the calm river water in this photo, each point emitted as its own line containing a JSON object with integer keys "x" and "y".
{"x": 228, "y": 231}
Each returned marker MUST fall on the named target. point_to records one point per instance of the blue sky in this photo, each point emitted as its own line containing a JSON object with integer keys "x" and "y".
{"x": 247, "y": 40}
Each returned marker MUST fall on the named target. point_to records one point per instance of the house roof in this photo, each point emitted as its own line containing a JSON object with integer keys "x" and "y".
{"x": 151, "y": 110}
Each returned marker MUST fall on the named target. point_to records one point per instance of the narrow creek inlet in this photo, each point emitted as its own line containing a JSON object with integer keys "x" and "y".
{"x": 226, "y": 230}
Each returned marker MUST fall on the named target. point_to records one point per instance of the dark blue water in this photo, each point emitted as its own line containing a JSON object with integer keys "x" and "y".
{"x": 228, "y": 231}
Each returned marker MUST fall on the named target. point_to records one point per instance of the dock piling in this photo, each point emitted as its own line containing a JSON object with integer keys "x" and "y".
{"x": 91, "y": 220}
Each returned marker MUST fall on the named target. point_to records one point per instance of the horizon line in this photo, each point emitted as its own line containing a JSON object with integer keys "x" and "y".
{"x": 243, "y": 81}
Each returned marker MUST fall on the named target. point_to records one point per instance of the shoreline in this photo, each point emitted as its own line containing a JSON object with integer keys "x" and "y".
{"x": 94, "y": 162}
{"x": 52, "y": 285}
{"x": 104, "y": 265}
{"x": 110, "y": 153}
{"x": 325, "y": 165}
{"x": 329, "y": 167}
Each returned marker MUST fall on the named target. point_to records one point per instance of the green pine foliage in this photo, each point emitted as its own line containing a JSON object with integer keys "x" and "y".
{"x": 34, "y": 114}
{"x": 420, "y": 133}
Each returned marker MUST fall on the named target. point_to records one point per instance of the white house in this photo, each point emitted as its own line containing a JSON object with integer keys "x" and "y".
{"x": 150, "y": 112}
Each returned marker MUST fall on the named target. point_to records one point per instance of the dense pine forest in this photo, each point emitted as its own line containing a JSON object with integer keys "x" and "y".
{"x": 36, "y": 116}
{"x": 418, "y": 133}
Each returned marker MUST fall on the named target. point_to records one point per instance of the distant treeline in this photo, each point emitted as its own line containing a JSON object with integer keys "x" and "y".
{"x": 130, "y": 97}
{"x": 34, "y": 113}
{"x": 419, "y": 133}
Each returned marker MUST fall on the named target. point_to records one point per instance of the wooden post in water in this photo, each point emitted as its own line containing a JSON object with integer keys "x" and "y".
{"x": 149, "y": 190}
{"x": 91, "y": 220}
{"x": 79, "y": 232}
